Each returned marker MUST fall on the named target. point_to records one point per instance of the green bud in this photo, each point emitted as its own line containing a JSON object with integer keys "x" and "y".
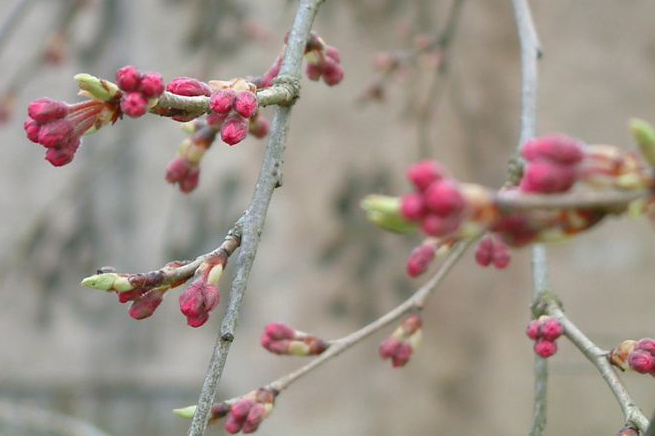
{"x": 384, "y": 211}
{"x": 186, "y": 412}
{"x": 108, "y": 282}
{"x": 98, "y": 89}
{"x": 102, "y": 282}
{"x": 644, "y": 134}
{"x": 298, "y": 348}
{"x": 214, "y": 275}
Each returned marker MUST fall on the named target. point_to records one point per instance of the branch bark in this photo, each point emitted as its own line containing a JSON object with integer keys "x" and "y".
{"x": 598, "y": 357}
{"x": 270, "y": 177}
{"x": 530, "y": 54}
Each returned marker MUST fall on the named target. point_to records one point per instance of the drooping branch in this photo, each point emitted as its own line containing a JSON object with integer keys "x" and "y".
{"x": 269, "y": 178}
{"x": 530, "y": 53}
{"x": 598, "y": 357}
{"x": 413, "y": 303}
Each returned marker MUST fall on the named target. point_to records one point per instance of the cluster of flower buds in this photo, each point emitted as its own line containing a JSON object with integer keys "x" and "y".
{"x": 491, "y": 250}
{"x": 243, "y": 414}
{"x": 141, "y": 91}
{"x": 552, "y": 162}
{"x": 544, "y": 331}
{"x": 280, "y": 338}
{"x": 437, "y": 203}
{"x": 403, "y": 341}
{"x": 59, "y": 126}
{"x": 233, "y": 103}
{"x": 145, "y": 291}
{"x": 323, "y": 61}
{"x": 184, "y": 169}
{"x": 636, "y": 355}
{"x": 203, "y": 295}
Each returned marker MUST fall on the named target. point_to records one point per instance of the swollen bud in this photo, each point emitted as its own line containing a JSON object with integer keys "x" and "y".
{"x": 644, "y": 134}
{"x": 385, "y": 212}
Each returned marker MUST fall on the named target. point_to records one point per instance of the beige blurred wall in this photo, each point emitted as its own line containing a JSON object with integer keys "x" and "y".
{"x": 321, "y": 267}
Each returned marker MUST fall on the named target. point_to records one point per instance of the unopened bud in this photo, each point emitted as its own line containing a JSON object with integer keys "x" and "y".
{"x": 545, "y": 348}
{"x": 98, "y": 89}
{"x": 619, "y": 355}
{"x": 384, "y": 211}
{"x": 644, "y": 134}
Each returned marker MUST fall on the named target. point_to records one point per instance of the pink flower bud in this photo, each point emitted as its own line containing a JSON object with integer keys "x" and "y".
{"x": 333, "y": 53}
{"x": 278, "y": 330}
{"x": 388, "y": 347}
{"x": 255, "y": 417}
{"x": 402, "y": 354}
{"x": 32, "y": 129}
{"x": 641, "y": 361}
{"x": 177, "y": 169}
{"x": 234, "y": 129}
{"x": 215, "y": 119}
{"x": 412, "y": 206}
{"x": 55, "y": 133}
{"x": 551, "y": 329}
{"x": 444, "y": 198}
{"x": 424, "y": 173}
{"x": 332, "y": 72}
{"x": 501, "y": 256}
{"x": 545, "y": 348}
{"x": 45, "y": 110}
{"x": 546, "y": 177}
{"x": 259, "y": 126}
{"x": 241, "y": 408}
{"x": 197, "y": 300}
{"x": 58, "y": 157}
{"x": 222, "y": 100}
{"x": 314, "y": 71}
{"x": 646, "y": 344}
{"x": 533, "y": 330}
{"x": 556, "y": 148}
{"x": 190, "y": 180}
{"x": 246, "y": 104}
{"x": 484, "y": 251}
{"x": 420, "y": 259}
{"x": 152, "y": 85}
{"x": 146, "y": 305}
{"x": 188, "y": 86}
{"x": 134, "y": 104}
{"x": 233, "y": 424}
{"x": 128, "y": 78}
{"x": 435, "y": 225}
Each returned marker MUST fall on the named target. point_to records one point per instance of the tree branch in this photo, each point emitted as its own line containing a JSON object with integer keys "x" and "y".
{"x": 530, "y": 53}
{"x": 413, "y": 303}
{"x": 598, "y": 357}
{"x": 270, "y": 177}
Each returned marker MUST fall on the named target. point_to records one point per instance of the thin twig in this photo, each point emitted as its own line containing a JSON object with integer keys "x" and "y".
{"x": 413, "y": 303}
{"x": 530, "y": 53}
{"x": 598, "y": 357}
{"x": 270, "y": 177}
{"x": 601, "y": 199}
{"x": 435, "y": 91}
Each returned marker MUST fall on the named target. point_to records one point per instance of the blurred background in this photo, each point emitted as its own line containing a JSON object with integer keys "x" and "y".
{"x": 70, "y": 355}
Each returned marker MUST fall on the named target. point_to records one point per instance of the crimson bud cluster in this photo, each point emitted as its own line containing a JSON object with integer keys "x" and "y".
{"x": 544, "y": 331}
